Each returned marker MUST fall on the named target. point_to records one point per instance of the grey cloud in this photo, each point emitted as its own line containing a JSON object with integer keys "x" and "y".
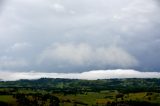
{"x": 1, "y": 5}
{"x": 19, "y": 47}
{"x": 130, "y": 29}
{"x": 11, "y": 63}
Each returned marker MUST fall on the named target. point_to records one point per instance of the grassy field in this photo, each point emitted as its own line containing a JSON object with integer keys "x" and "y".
{"x": 103, "y": 97}
{"x": 94, "y": 97}
{"x": 8, "y": 99}
{"x": 72, "y": 92}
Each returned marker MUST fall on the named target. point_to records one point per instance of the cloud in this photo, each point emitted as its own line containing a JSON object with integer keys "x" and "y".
{"x": 58, "y": 7}
{"x": 1, "y": 4}
{"x": 90, "y": 75}
{"x": 67, "y": 53}
{"x": 90, "y": 34}
{"x": 19, "y": 47}
{"x": 11, "y": 63}
{"x": 85, "y": 55}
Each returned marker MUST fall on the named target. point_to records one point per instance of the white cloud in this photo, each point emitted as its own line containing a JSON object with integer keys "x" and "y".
{"x": 115, "y": 56}
{"x": 84, "y": 54}
{"x": 58, "y": 7}
{"x": 91, "y": 75}
{"x": 67, "y": 53}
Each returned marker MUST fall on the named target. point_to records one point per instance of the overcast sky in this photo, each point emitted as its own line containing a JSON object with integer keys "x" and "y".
{"x": 79, "y": 35}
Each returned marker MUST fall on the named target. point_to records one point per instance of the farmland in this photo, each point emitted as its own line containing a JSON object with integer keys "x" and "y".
{"x": 73, "y": 92}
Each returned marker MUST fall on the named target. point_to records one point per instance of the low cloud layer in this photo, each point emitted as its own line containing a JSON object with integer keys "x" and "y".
{"x": 77, "y": 36}
{"x": 90, "y": 75}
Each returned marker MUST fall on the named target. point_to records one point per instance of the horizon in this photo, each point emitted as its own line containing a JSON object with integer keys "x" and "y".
{"x": 88, "y": 75}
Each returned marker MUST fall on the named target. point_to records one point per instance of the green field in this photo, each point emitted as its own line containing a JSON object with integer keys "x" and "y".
{"x": 68, "y": 92}
{"x": 93, "y": 98}
{"x": 8, "y": 99}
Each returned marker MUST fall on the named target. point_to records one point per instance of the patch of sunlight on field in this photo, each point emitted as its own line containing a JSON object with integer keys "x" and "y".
{"x": 89, "y": 98}
{"x": 155, "y": 97}
{"x": 7, "y": 99}
{"x": 137, "y": 96}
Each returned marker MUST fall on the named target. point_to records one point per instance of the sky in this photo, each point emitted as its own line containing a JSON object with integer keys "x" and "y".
{"x": 78, "y": 36}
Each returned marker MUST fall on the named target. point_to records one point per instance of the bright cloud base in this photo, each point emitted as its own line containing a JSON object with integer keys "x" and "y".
{"x": 91, "y": 75}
